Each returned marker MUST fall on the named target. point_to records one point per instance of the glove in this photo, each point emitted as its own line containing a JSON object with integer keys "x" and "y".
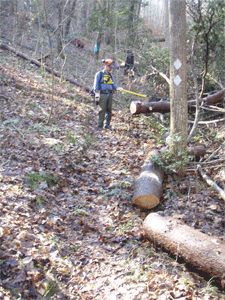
{"x": 120, "y": 89}
{"x": 97, "y": 96}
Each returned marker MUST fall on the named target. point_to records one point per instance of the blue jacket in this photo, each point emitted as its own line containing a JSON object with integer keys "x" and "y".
{"x": 104, "y": 82}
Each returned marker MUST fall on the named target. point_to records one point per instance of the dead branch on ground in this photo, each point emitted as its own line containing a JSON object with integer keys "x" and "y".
{"x": 211, "y": 183}
{"x": 39, "y": 64}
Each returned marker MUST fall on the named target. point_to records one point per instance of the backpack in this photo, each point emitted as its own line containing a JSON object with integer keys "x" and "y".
{"x": 92, "y": 91}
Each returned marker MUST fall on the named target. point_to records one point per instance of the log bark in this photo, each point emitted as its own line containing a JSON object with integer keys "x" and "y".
{"x": 194, "y": 247}
{"x": 39, "y": 64}
{"x": 164, "y": 107}
{"x": 157, "y": 40}
{"x": 148, "y": 186}
{"x": 197, "y": 151}
{"x": 149, "y": 107}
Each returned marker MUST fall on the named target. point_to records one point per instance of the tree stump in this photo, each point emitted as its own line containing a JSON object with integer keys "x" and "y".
{"x": 148, "y": 186}
{"x": 196, "y": 248}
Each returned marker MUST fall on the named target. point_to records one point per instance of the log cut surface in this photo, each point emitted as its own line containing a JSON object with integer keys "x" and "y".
{"x": 148, "y": 186}
{"x": 198, "y": 249}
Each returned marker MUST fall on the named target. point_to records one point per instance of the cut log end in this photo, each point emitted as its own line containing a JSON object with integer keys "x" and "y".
{"x": 146, "y": 201}
{"x": 148, "y": 186}
{"x": 134, "y": 107}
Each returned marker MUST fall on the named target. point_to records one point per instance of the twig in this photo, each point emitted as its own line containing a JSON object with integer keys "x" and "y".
{"x": 4, "y": 163}
{"x": 158, "y": 72}
{"x": 215, "y": 152}
{"x": 19, "y": 132}
{"x": 213, "y": 164}
{"x": 213, "y": 108}
{"x": 161, "y": 74}
{"x": 211, "y": 183}
{"x": 216, "y": 81}
{"x": 208, "y": 122}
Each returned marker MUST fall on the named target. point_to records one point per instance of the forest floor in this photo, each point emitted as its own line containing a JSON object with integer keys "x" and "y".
{"x": 68, "y": 227}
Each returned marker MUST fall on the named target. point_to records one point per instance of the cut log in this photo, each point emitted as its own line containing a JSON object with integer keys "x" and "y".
{"x": 197, "y": 151}
{"x": 164, "y": 107}
{"x": 149, "y": 107}
{"x": 39, "y": 64}
{"x": 148, "y": 186}
{"x": 196, "y": 248}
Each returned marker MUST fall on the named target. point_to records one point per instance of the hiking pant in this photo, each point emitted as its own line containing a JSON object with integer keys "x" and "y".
{"x": 105, "y": 112}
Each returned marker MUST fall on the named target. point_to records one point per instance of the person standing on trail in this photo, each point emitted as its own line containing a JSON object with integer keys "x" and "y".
{"x": 104, "y": 87}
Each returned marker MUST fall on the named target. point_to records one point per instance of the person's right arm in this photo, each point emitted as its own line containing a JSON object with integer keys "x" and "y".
{"x": 97, "y": 83}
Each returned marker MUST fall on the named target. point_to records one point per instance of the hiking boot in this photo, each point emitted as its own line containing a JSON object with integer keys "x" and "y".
{"x": 108, "y": 127}
{"x": 99, "y": 128}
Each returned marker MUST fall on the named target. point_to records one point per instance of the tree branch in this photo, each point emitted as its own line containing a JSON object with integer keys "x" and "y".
{"x": 211, "y": 183}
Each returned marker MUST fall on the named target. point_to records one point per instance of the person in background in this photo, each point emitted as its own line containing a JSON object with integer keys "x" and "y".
{"x": 104, "y": 87}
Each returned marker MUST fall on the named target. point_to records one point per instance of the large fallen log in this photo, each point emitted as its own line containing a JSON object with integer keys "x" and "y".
{"x": 199, "y": 250}
{"x": 39, "y": 64}
{"x": 164, "y": 107}
{"x": 148, "y": 186}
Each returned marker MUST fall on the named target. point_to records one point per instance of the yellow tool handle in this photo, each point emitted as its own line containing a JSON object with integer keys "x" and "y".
{"x": 144, "y": 96}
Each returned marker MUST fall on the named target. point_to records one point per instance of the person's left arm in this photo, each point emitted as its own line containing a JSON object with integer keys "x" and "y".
{"x": 114, "y": 85}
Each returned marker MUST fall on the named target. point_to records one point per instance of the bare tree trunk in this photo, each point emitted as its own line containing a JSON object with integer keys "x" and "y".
{"x": 83, "y": 24}
{"x": 197, "y": 111}
{"x": 101, "y": 28}
{"x": 167, "y": 33}
{"x": 52, "y": 64}
{"x": 206, "y": 66}
{"x": 20, "y": 12}
{"x": 71, "y": 12}
{"x": 60, "y": 29}
{"x": 98, "y": 42}
{"x": 178, "y": 78}
{"x": 129, "y": 64}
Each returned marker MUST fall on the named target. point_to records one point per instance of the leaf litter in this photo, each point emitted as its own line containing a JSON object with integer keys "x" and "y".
{"x": 68, "y": 228}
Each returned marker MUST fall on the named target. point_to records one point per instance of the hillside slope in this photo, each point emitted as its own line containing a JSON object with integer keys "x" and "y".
{"x": 68, "y": 228}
